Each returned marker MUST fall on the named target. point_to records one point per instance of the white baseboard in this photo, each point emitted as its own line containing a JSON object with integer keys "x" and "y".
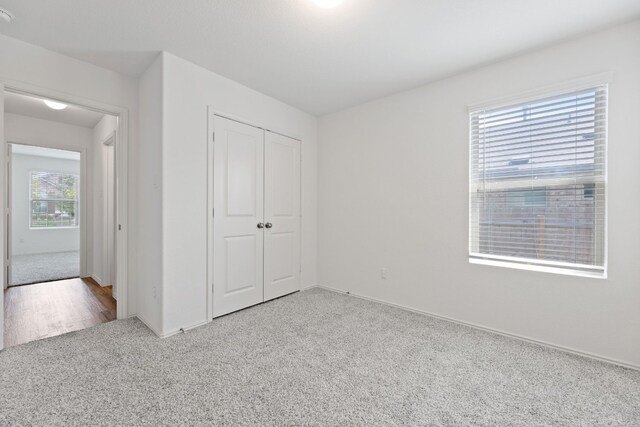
{"x": 184, "y": 329}
{"x": 173, "y": 332}
{"x": 99, "y": 281}
{"x": 488, "y": 329}
{"x": 147, "y": 324}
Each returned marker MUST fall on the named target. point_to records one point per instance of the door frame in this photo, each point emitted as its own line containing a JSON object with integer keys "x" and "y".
{"x": 84, "y": 243}
{"x": 211, "y": 113}
{"x": 3, "y": 209}
{"x": 109, "y": 233}
{"x": 8, "y": 266}
{"x": 121, "y": 184}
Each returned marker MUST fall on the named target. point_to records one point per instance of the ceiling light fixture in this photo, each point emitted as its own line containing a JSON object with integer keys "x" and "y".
{"x": 55, "y": 105}
{"x": 6, "y": 15}
{"x": 327, "y": 4}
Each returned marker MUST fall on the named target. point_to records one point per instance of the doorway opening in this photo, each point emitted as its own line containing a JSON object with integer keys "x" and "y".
{"x": 44, "y": 214}
{"x": 60, "y": 185}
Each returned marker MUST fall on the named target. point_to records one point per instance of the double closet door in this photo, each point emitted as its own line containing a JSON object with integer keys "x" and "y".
{"x": 256, "y": 224}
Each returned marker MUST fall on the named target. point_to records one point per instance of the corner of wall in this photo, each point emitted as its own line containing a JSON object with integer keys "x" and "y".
{"x": 149, "y": 203}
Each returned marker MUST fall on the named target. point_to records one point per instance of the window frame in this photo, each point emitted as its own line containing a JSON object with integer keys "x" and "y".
{"x": 76, "y": 200}
{"x": 530, "y": 264}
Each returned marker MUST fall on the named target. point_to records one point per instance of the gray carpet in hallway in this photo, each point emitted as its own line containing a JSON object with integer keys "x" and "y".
{"x": 313, "y": 358}
{"x": 36, "y": 268}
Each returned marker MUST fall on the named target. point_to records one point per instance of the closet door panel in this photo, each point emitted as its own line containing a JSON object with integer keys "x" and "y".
{"x": 282, "y": 211}
{"x": 238, "y": 243}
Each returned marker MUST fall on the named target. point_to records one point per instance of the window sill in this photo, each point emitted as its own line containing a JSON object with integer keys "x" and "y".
{"x": 540, "y": 268}
{"x": 53, "y": 228}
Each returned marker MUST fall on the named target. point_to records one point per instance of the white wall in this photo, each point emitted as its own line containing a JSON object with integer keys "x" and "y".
{"x": 45, "y": 133}
{"x": 101, "y": 271}
{"x": 39, "y": 67}
{"x": 26, "y": 240}
{"x": 187, "y": 91}
{"x": 149, "y": 230}
{"x": 393, "y": 192}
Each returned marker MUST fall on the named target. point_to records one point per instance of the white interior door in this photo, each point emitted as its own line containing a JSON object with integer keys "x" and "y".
{"x": 282, "y": 216}
{"x": 238, "y": 243}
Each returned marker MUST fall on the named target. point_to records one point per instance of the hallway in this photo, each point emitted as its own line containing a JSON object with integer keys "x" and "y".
{"x": 43, "y": 310}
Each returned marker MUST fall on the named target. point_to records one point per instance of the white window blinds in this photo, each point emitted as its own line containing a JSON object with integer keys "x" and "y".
{"x": 54, "y": 200}
{"x": 538, "y": 181}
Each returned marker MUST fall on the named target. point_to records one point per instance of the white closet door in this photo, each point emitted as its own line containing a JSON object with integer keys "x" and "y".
{"x": 238, "y": 243}
{"x": 282, "y": 216}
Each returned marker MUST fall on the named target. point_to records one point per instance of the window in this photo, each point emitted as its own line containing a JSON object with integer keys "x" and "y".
{"x": 538, "y": 182}
{"x": 536, "y": 197}
{"x": 53, "y": 200}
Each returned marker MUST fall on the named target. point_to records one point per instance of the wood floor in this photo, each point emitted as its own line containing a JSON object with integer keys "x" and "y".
{"x": 42, "y": 310}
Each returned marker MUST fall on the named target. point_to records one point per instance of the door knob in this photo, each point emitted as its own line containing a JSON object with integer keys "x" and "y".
{"x": 268, "y": 225}
{"x": 260, "y": 225}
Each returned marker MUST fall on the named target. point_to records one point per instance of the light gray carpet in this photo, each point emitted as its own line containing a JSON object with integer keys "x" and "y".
{"x": 36, "y": 268}
{"x": 313, "y": 358}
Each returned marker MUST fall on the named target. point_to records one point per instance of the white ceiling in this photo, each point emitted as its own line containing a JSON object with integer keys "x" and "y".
{"x": 44, "y": 152}
{"x": 34, "y": 107}
{"x": 320, "y": 60}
